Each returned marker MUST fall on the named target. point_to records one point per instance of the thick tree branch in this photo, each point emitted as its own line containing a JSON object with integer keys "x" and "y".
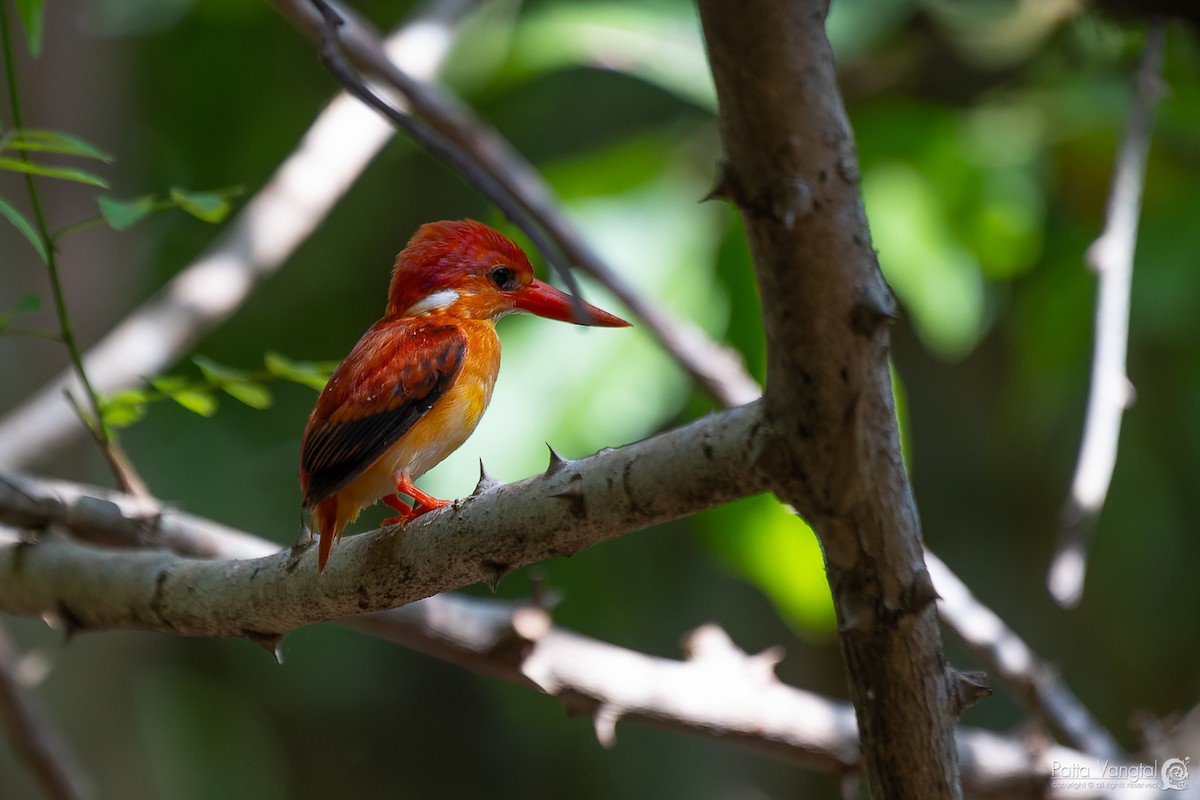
{"x": 1111, "y": 258}
{"x": 574, "y": 505}
{"x": 260, "y": 238}
{"x": 518, "y": 643}
{"x": 791, "y": 169}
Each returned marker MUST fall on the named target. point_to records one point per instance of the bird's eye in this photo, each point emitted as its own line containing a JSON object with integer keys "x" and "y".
{"x": 504, "y": 278}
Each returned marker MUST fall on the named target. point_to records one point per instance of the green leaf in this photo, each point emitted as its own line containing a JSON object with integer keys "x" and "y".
{"x": 169, "y": 384}
{"x": 310, "y": 373}
{"x": 238, "y": 383}
{"x": 28, "y": 304}
{"x": 200, "y": 401}
{"x": 125, "y": 407}
{"x": 207, "y": 206}
{"x": 122, "y": 214}
{"x": 18, "y": 220}
{"x": 254, "y": 395}
{"x": 196, "y": 399}
{"x": 32, "y": 13}
{"x": 54, "y": 142}
{"x": 219, "y": 374}
{"x": 63, "y": 173}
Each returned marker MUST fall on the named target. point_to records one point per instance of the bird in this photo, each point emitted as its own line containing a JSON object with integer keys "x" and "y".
{"x": 418, "y": 381}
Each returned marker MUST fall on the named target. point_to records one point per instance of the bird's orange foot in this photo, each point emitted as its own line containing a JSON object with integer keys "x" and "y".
{"x": 404, "y": 508}
{"x": 422, "y": 502}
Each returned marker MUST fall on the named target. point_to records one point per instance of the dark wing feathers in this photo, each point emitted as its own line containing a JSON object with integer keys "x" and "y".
{"x": 354, "y": 436}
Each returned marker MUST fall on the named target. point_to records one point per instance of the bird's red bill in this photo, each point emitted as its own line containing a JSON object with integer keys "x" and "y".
{"x": 544, "y": 300}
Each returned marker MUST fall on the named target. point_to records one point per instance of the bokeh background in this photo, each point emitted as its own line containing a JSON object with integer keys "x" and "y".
{"x": 986, "y": 133}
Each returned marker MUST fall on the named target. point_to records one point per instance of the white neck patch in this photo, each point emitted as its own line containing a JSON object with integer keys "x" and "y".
{"x": 433, "y": 302}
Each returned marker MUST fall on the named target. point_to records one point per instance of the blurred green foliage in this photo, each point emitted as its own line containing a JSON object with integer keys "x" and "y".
{"x": 986, "y": 133}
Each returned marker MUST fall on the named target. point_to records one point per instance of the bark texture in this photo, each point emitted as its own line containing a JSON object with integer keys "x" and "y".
{"x": 792, "y": 171}
{"x": 573, "y": 505}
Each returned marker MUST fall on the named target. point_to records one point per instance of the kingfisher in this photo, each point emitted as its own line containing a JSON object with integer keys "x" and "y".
{"x": 416, "y": 384}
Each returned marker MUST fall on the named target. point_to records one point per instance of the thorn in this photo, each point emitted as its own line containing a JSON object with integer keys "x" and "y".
{"x": 762, "y": 666}
{"x": 69, "y": 621}
{"x": 605, "y": 722}
{"x": 486, "y": 481}
{"x": 858, "y": 612}
{"x": 271, "y": 642}
{"x": 968, "y": 688}
{"x": 920, "y": 594}
{"x": 557, "y": 462}
{"x": 710, "y": 644}
{"x": 706, "y": 641}
{"x": 875, "y": 306}
{"x": 494, "y": 573}
{"x": 722, "y": 186}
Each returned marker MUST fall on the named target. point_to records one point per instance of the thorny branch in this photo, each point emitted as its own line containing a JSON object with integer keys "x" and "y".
{"x": 717, "y": 691}
{"x": 1111, "y": 258}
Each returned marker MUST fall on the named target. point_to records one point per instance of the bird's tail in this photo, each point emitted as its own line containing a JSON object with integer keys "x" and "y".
{"x": 329, "y": 527}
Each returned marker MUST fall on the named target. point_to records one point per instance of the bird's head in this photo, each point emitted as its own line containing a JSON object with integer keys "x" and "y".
{"x": 467, "y": 269}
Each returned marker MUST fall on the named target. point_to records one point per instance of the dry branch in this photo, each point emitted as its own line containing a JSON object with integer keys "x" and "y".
{"x": 574, "y": 505}
{"x": 1111, "y": 258}
{"x": 518, "y": 642}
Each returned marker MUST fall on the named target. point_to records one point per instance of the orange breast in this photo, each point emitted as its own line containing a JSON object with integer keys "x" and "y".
{"x": 440, "y": 432}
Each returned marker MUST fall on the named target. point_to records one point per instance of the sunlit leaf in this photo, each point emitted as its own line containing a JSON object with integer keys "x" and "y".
{"x": 207, "y": 206}
{"x": 193, "y": 398}
{"x": 219, "y": 374}
{"x": 310, "y": 373}
{"x": 168, "y": 384}
{"x": 196, "y": 400}
{"x": 124, "y": 408}
{"x": 254, "y": 395}
{"x": 62, "y": 173}
{"x": 54, "y": 142}
{"x": 122, "y": 214}
{"x": 23, "y": 225}
{"x": 32, "y": 14}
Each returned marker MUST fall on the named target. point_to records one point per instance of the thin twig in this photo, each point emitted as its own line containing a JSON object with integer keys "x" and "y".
{"x": 1111, "y": 257}
{"x": 257, "y": 242}
{"x": 92, "y": 418}
{"x": 716, "y": 368}
{"x": 341, "y": 70}
{"x": 33, "y": 737}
